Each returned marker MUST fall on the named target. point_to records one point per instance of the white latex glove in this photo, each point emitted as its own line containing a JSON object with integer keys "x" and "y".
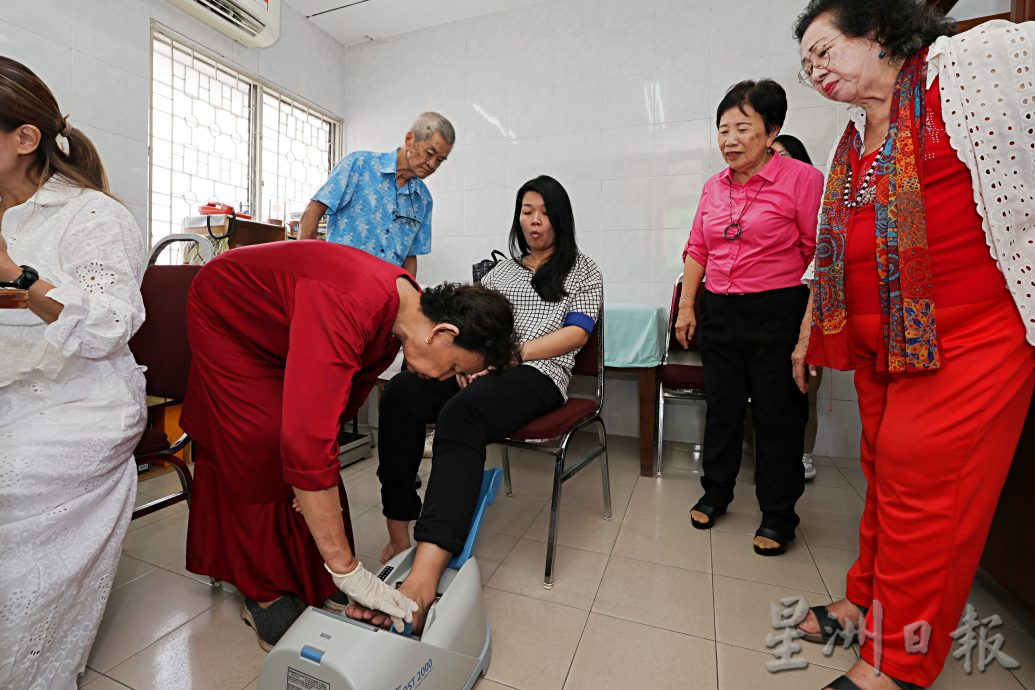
{"x": 364, "y": 588}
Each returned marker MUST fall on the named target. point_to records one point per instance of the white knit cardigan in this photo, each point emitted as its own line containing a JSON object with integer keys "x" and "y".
{"x": 987, "y": 86}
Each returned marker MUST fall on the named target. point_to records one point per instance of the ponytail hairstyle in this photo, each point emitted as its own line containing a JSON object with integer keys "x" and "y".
{"x": 548, "y": 281}
{"x": 26, "y": 100}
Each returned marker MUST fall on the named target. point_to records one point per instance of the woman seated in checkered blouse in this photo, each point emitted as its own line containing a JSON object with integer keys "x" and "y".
{"x": 556, "y": 292}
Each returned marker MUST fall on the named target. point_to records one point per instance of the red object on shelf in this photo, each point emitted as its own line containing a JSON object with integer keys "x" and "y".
{"x": 215, "y": 207}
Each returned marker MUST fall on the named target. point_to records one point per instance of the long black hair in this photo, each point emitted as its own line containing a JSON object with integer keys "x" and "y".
{"x": 548, "y": 281}
{"x": 901, "y": 27}
{"x": 794, "y": 147}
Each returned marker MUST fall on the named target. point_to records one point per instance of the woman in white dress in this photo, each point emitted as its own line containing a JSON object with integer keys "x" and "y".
{"x": 72, "y": 401}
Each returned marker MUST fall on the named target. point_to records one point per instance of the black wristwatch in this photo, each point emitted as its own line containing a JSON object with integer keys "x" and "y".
{"x": 24, "y": 281}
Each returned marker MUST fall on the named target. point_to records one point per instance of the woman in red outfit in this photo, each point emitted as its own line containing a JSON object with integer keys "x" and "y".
{"x": 908, "y": 294}
{"x": 287, "y": 340}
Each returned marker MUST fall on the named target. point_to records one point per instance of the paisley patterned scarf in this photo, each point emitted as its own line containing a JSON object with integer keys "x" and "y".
{"x": 903, "y": 261}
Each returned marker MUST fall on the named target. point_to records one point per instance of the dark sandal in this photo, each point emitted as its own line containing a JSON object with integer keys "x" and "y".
{"x": 782, "y": 540}
{"x": 842, "y": 683}
{"x": 828, "y": 625}
{"x": 711, "y": 511}
{"x": 846, "y": 683}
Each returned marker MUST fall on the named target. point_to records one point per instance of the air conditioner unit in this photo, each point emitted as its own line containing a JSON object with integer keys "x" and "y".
{"x": 254, "y": 23}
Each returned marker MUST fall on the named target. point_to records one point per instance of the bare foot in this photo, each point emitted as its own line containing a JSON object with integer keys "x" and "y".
{"x": 383, "y": 620}
{"x": 398, "y": 538}
{"x": 392, "y": 548}
{"x": 766, "y": 543}
{"x": 843, "y": 609}
{"x": 698, "y": 516}
{"x": 864, "y": 675}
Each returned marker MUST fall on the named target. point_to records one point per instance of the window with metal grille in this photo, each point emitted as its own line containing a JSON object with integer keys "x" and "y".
{"x": 218, "y": 135}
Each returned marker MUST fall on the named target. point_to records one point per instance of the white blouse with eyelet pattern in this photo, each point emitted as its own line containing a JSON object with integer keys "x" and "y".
{"x": 986, "y": 78}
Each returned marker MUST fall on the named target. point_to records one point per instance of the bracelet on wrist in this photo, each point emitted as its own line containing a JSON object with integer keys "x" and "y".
{"x": 687, "y": 299}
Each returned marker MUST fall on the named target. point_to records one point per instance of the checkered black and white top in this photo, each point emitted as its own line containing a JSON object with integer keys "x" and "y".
{"x": 534, "y": 317}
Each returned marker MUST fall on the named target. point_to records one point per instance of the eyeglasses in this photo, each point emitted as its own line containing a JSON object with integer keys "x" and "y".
{"x": 399, "y": 215}
{"x": 819, "y": 57}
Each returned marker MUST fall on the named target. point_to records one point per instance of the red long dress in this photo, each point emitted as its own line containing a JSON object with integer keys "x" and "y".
{"x": 287, "y": 340}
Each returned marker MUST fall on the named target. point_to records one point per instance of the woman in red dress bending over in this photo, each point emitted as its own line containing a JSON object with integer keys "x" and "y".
{"x": 287, "y": 340}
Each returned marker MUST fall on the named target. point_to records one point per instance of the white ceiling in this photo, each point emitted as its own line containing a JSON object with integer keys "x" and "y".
{"x": 362, "y": 20}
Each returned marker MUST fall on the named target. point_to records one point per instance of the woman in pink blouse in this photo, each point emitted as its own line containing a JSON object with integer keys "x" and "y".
{"x": 753, "y": 236}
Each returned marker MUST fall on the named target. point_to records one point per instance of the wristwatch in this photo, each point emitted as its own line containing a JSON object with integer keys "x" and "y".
{"x": 24, "y": 281}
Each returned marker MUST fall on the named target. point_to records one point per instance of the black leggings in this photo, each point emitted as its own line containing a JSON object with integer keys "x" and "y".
{"x": 466, "y": 422}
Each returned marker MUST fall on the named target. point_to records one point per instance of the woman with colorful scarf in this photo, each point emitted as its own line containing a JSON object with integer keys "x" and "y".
{"x": 919, "y": 249}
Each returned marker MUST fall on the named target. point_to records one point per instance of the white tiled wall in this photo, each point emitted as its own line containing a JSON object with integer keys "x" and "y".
{"x": 614, "y": 98}
{"x": 95, "y": 57}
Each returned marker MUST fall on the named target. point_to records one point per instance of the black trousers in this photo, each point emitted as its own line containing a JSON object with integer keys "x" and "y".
{"x": 466, "y": 422}
{"x": 746, "y": 343}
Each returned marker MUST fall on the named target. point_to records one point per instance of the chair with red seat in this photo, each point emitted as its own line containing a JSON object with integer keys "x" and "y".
{"x": 161, "y": 346}
{"x": 681, "y": 375}
{"x": 552, "y": 433}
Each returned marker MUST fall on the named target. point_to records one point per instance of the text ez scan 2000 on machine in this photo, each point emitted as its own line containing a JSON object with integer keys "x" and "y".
{"x": 325, "y": 651}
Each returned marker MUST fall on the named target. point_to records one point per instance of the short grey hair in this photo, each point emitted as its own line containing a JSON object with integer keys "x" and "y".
{"x": 429, "y": 124}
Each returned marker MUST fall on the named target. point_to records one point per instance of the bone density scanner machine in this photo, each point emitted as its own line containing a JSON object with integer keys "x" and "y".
{"x": 326, "y": 651}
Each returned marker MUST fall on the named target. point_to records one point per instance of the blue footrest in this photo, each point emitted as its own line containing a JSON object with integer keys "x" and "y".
{"x": 491, "y": 480}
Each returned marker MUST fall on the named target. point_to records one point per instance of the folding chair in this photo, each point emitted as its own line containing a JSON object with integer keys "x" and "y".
{"x": 552, "y": 433}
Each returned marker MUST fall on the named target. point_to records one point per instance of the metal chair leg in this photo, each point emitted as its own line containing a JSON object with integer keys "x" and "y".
{"x": 661, "y": 429}
{"x": 605, "y": 475}
{"x": 506, "y": 471}
{"x": 555, "y": 506}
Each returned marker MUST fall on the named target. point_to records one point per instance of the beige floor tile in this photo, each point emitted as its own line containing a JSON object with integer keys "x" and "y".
{"x": 733, "y": 556}
{"x": 578, "y": 528}
{"x": 615, "y": 653}
{"x": 743, "y": 619}
{"x": 955, "y": 677}
{"x": 104, "y": 683}
{"x": 823, "y": 461}
{"x": 1021, "y": 646}
{"x": 828, "y": 475}
{"x": 130, "y": 569}
{"x": 512, "y": 514}
{"x": 162, "y": 485}
{"x": 254, "y": 685}
{"x": 585, "y": 490}
{"x": 88, "y": 675}
{"x": 156, "y": 516}
{"x": 855, "y": 478}
{"x": 657, "y": 595}
{"x": 988, "y": 597}
{"x": 364, "y": 465}
{"x": 832, "y": 530}
{"x": 742, "y": 514}
{"x": 831, "y": 499}
{"x": 194, "y": 655}
{"x": 145, "y": 610}
{"x": 667, "y": 499}
{"x": 666, "y": 543}
{"x": 179, "y": 566}
{"x": 160, "y": 542}
{"x": 533, "y": 642}
{"x": 576, "y": 574}
{"x": 491, "y": 550}
{"x": 833, "y": 566}
{"x": 745, "y": 669}
{"x": 486, "y": 684}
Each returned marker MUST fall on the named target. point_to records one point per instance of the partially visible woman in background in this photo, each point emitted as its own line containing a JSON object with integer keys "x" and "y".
{"x": 790, "y": 146}
{"x": 753, "y": 236}
{"x": 71, "y": 396}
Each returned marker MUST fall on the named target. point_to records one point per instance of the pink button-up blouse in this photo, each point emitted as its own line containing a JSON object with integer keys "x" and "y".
{"x": 777, "y": 231}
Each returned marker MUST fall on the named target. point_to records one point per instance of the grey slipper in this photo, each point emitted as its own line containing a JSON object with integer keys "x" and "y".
{"x": 272, "y": 622}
